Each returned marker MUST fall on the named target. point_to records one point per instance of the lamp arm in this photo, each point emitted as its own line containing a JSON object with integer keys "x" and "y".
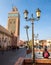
{"x": 32, "y": 19}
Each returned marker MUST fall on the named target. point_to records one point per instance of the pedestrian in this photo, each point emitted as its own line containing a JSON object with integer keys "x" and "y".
{"x": 46, "y": 53}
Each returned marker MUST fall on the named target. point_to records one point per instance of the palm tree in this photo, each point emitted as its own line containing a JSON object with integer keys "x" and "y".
{"x": 27, "y": 27}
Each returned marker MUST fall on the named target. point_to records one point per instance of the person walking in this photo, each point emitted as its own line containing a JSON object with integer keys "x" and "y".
{"x": 46, "y": 53}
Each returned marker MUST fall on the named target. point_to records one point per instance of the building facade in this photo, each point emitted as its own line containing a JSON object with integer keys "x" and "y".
{"x": 5, "y": 38}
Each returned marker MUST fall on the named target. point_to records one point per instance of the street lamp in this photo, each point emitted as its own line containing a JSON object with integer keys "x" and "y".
{"x": 32, "y": 19}
{"x": 27, "y": 27}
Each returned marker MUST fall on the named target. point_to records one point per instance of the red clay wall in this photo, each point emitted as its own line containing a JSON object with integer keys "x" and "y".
{"x": 22, "y": 61}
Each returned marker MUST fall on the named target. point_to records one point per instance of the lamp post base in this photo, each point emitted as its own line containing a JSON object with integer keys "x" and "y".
{"x": 33, "y": 64}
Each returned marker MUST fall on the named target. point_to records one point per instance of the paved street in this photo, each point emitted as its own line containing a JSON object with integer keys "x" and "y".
{"x": 10, "y": 57}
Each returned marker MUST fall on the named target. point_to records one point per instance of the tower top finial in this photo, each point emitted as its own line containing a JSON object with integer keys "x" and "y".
{"x": 14, "y": 9}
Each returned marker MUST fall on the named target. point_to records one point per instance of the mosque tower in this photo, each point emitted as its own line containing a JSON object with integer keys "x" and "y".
{"x": 14, "y": 25}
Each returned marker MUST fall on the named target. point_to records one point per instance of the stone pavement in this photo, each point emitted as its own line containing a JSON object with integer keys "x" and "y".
{"x": 10, "y": 57}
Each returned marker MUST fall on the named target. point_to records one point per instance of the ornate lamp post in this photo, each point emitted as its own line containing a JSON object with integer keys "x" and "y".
{"x": 27, "y": 27}
{"x": 32, "y": 19}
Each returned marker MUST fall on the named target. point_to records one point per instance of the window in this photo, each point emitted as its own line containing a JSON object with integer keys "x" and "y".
{"x": 10, "y": 22}
{"x": 14, "y": 31}
{"x": 14, "y": 22}
{"x": 0, "y": 40}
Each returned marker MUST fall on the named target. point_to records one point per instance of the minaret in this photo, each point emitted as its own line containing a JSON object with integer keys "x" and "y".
{"x": 14, "y": 24}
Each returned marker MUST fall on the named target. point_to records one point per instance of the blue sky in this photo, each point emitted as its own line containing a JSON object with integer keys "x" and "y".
{"x": 42, "y": 27}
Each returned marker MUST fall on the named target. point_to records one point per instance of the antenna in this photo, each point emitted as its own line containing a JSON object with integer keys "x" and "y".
{"x": 12, "y": 4}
